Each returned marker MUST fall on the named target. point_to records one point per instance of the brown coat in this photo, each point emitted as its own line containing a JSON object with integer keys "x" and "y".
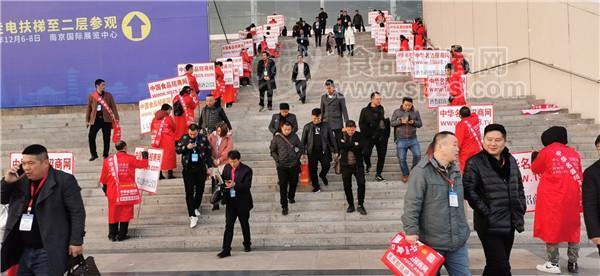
{"x": 90, "y": 115}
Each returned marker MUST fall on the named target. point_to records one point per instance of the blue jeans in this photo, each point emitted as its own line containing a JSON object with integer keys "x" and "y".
{"x": 457, "y": 261}
{"x": 402, "y": 147}
{"x": 34, "y": 262}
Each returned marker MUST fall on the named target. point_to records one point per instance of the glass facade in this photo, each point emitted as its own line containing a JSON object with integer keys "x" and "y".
{"x": 236, "y": 15}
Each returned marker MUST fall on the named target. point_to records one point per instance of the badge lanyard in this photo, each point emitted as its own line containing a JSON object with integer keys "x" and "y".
{"x": 33, "y": 192}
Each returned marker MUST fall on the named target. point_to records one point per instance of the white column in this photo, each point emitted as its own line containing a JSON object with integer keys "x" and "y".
{"x": 253, "y": 5}
{"x": 393, "y": 9}
{"x": 323, "y": 4}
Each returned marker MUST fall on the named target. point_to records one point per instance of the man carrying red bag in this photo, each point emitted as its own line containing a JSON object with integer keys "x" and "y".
{"x": 118, "y": 184}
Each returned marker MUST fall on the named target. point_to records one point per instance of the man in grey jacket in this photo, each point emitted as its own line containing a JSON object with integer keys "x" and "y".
{"x": 405, "y": 122}
{"x": 333, "y": 106}
{"x": 212, "y": 115}
{"x": 286, "y": 150}
{"x": 434, "y": 205}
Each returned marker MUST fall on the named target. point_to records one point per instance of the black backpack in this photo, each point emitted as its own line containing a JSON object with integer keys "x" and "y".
{"x": 177, "y": 108}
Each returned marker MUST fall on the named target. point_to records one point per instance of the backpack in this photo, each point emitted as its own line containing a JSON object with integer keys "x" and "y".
{"x": 177, "y": 108}
{"x": 466, "y": 66}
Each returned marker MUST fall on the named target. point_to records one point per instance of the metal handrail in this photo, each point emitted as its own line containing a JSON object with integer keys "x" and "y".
{"x": 549, "y": 65}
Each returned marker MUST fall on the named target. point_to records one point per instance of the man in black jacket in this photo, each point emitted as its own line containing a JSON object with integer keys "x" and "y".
{"x": 376, "y": 131}
{"x": 238, "y": 201}
{"x": 494, "y": 190}
{"x": 286, "y": 150}
{"x": 281, "y": 118}
{"x": 318, "y": 29}
{"x": 318, "y": 143}
{"x": 212, "y": 115}
{"x": 351, "y": 158}
{"x": 302, "y": 41}
{"x": 358, "y": 22}
{"x": 266, "y": 72}
{"x": 323, "y": 18}
{"x": 196, "y": 158}
{"x": 46, "y": 217}
{"x": 300, "y": 77}
{"x": 591, "y": 199}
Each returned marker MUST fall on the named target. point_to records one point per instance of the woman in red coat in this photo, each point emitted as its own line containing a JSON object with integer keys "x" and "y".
{"x": 404, "y": 43}
{"x": 420, "y": 34}
{"x": 163, "y": 137}
{"x": 247, "y": 64}
{"x": 221, "y": 142}
{"x": 230, "y": 92}
{"x": 220, "y": 78}
{"x": 558, "y": 206}
{"x": 119, "y": 174}
{"x": 468, "y": 134}
{"x": 188, "y": 101}
{"x": 455, "y": 87}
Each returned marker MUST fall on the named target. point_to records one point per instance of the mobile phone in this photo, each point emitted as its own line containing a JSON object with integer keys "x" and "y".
{"x": 20, "y": 171}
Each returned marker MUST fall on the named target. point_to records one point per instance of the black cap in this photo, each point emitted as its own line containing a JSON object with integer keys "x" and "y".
{"x": 193, "y": 127}
{"x": 555, "y": 134}
{"x": 284, "y": 106}
{"x": 495, "y": 127}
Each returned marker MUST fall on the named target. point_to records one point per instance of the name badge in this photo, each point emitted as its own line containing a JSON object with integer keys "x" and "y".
{"x": 26, "y": 222}
{"x": 453, "y": 198}
{"x": 194, "y": 157}
{"x": 99, "y": 107}
{"x": 356, "y": 143}
{"x": 296, "y": 149}
{"x": 266, "y": 73}
{"x": 232, "y": 193}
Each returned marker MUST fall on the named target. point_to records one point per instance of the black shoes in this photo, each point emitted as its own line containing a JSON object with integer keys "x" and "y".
{"x": 350, "y": 209}
{"x": 170, "y": 175}
{"x": 215, "y": 207}
{"x": 161, "y": 176}
{"x": 324, "y": 179}
{"x": 367, "y": 169}
{"x": 292, "y": 201}
{"x": 94, "y": 157}
{"x": 361, "y": 210}
{"x": 224, "y": 254}
{"x": 316, "y": 190}
{"x": 247, "y": 248}
{"x": 379, "y": 178}
{"x": 284, "y": 211}
{"x": 123, "y": 237}
{"x": 573, "y": 267}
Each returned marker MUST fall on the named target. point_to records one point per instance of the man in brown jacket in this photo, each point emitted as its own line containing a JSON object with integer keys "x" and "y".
{"x": 100, "y": 116}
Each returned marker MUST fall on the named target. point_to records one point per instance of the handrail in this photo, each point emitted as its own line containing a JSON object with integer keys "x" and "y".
{"x": 549, "y": 65}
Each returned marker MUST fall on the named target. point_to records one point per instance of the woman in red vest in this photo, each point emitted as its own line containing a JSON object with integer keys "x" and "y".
{"x": 247, "y": 64}
{"x": 220, "y": 84}
{"x": 163, "y": 137}
{"x": 404, "y": 43}
{"x": 455, "y": 87}
{"x": 184, "y": 106}
{"x": 420, "y": 34}
{"x": 229, "y": 93}
{"x": 118, "y": 171}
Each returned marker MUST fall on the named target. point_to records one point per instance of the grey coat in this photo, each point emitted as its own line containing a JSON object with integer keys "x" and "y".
{"x": 405, "y": 131}
{"x": 426, "y": 208}
{"x": 284, "y": 154}
{"x": 334, "y": 110}
{"x": 59, "y": 213}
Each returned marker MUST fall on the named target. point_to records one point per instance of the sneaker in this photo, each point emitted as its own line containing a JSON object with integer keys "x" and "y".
{"x": 197, "y": 212}
{"x": 350, "y": 209}
{"x": 284, "y": 211}
{"x": 573, "y": 267}
{"x": 224, "y": 254}
{"x": 361, "y": 210}
{"x": 261, "y": 109}
{"x": 549, "y": 267}
{"x": 379, "y": 178}
{"x": 193, "y": 222}
{"x": 316, "y": 190}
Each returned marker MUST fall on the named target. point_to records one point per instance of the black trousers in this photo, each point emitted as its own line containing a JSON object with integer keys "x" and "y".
{"x": 264, "y": 88}
{"x": 234, "y": 211}
{"x": 318, "y": 39}
{"x": 337, "y": 134}
{"x": 288, "y": 178}
{"x": 497, "y": 253}
{"x": 97, "y": 126}
{"x": 339, "y": 44}
{"x": 381, "y": 152}
{"x": 359, "y": 173}
{"x": 193, "y": 181}
{"x": 301, "y": 89}
{"x": 313, "y": 161}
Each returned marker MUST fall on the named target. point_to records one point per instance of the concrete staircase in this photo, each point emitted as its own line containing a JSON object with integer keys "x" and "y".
{"x": 316, "y": 221}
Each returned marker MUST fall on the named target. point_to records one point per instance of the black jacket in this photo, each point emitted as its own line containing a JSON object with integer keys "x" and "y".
{"x": 354, "y": 144}
{"x": 591, "y": 200}
{"x": 358, "y": 21}
{"x": 243, "y": 182}
{"x": 271, "y": 72}
{"x": 59, "y": 213}
{"x": 369, "y": 123}
{"x": 295, "y": 71}
{"x": 203, "y": 148}
{"x": 318, "y": 29}
{"x": 498, "y": 206}
{"x": 327, "y": 139}
{"x": 302, "y": 40}
{"x": 210, "y": 117}
{"x": 284, "y": 154}
{"x": 275, "y": 122}
{"x": 323, "y": 16}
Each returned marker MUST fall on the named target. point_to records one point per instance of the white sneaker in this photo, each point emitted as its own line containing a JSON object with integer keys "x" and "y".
{"x": 549, "y": 267}
{"x": 193, "y": 222}
{"x": 197, "y": 212}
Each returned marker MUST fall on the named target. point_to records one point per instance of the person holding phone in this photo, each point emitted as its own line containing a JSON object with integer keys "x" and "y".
{"x": 405, "y": 121}
{"x": 196, "y": 158}
{"x": 46, "y": 216}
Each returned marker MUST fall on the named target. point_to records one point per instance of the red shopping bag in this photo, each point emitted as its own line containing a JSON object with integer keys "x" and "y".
{"x": 304, "y": 173}
{"x": 401, "y": 258}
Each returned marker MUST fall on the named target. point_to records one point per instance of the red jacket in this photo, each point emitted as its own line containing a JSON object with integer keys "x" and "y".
{"x": 456, "y": 89}
{"x": 420, "y": 33}
{"x": 247, "y": 62}
{"x": 167, "y": 138}
{"x": 220, "y": 152}
{"x": 183, "y": 122}
{"x": 558, "y": 206}
{"x": 192, "y": 82}
{"x": 220, "y": 78}
{"x": 404, "y": 45}
{"x": 468, "y": 133}
{"x": 458, "y": 61}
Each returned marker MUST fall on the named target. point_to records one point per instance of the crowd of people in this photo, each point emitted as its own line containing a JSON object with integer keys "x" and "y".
{"x": 458, "y": 166}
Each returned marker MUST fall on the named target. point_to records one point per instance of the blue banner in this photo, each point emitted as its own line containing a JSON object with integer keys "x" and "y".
{"x": 52, "y": 52}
